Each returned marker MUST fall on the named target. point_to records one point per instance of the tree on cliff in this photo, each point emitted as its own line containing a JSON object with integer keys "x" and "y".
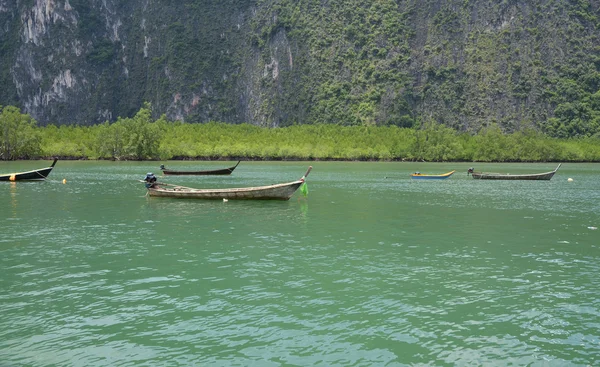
{"x": 18, "y": 135}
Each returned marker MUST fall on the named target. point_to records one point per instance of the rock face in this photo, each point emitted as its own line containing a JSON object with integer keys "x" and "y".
{"x": 462, "y": 63}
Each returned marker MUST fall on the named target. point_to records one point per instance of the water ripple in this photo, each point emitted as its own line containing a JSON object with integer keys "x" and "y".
{"x": 365, "y": 272}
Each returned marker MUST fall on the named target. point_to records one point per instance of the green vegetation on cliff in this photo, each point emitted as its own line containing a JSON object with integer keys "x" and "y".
{"x": 464, "y": 64}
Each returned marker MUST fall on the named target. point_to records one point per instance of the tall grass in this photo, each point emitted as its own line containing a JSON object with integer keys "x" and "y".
{"x": 175, "y": 140}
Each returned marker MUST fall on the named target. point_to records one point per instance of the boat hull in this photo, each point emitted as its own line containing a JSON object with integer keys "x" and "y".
{"x": 224, "y": 171}
{"x": 539, "y": 177}
{"x": 33, "y": 175}
{"x": 546, "y": 176}
{"x": 272, "y": 192}
{"x": 416, "y": 176}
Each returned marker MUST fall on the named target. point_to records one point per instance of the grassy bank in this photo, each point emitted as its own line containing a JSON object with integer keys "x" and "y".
{"x": 142, "y": 138}
{"x": 167, "y": 140}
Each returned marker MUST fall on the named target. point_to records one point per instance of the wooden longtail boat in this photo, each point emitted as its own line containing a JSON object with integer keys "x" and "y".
{"x": 282, "y": 191}
{"x": 423, "y": 176}
{"x": 507, "y": 176}
{"x": 223, "y": 171}
{"x": 36, "y": 174}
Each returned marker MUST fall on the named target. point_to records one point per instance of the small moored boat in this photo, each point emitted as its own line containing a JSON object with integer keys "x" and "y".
{"x": 36, "y": 174}
{"x": 282, "y": 191}
{"x": 423, "y": 176}
{"x": 223, "y": 171}
{"x": 507, "y": 176}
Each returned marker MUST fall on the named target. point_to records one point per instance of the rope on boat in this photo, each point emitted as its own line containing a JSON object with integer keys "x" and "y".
{"x": 42, "y": 176}
{"x": 167, "y": 184}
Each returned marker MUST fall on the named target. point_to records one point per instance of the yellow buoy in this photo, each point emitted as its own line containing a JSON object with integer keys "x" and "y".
{"x": 570, "y": 179}
{"x": 64, "y": 180}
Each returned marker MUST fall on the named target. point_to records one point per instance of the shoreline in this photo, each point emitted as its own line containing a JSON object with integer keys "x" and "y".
{"x": 291, "y": 159}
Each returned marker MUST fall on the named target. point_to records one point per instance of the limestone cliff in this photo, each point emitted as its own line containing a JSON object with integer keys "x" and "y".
{"x": 277, "y": 62}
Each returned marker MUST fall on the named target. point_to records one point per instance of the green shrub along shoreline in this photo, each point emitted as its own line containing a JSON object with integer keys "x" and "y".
{"x": 142, "y": 138}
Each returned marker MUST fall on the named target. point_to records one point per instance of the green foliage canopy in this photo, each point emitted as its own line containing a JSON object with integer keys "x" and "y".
{"x": 130, "y": 138}
{"x": 19, "y": 138}
{"x": 140, "y": 138}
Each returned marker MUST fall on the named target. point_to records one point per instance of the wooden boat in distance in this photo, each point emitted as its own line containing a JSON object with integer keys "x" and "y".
{"x": 507, "y": 176}
{"x": 36, "y": 174}
{"x": 423, "y": 176}
{"x": 223, "y": 171}
{"x": 282, "y": 191}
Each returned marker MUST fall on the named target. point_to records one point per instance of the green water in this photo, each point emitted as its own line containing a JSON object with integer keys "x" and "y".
{"x": 371, "y": 269}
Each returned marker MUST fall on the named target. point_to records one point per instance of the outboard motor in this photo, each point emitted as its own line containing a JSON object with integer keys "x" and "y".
{"x": 470, "y": 170}
{"x": 149, "y": 180}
